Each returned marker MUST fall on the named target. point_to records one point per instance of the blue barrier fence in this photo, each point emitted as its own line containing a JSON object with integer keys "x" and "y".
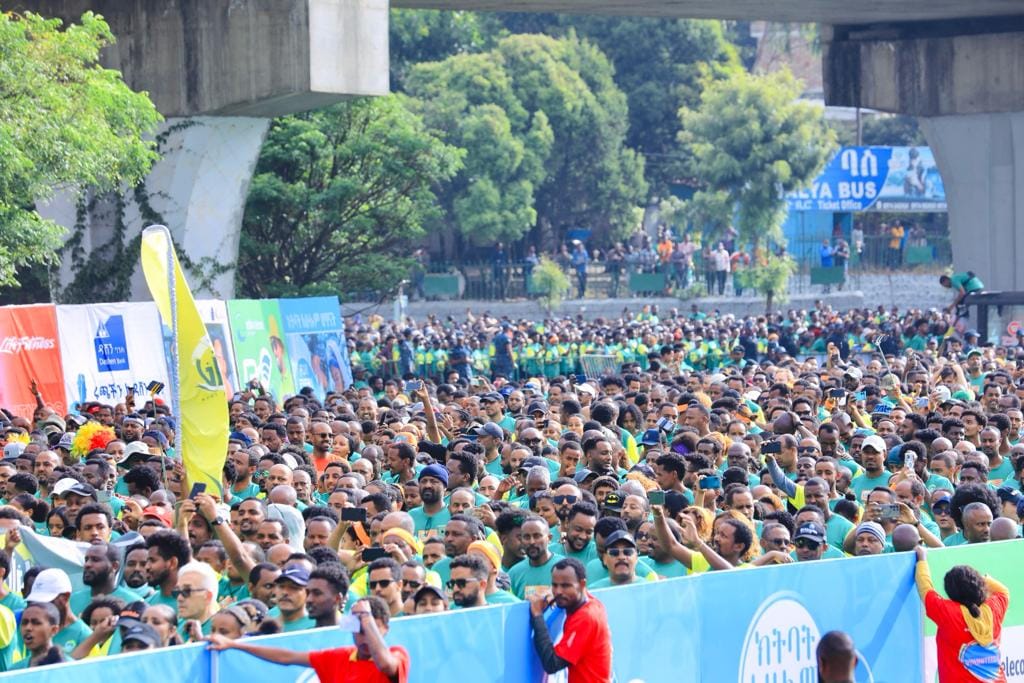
{"x": 748, "y": 625}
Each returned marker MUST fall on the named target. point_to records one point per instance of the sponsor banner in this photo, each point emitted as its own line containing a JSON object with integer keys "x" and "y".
{"x": 259, "y": 347}
{"x": 763, "y": 625}
{"x": 30, "y": 350}
{"x": 875, "y": 179}
{"x": 316, "y": 344}
{"x": 1002, "y": 561}
{"x": 110, "y": 348}
{"x": 215, "y": 316}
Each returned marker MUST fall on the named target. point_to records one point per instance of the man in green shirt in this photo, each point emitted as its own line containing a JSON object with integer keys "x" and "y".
{"x": 196, "y": 594}
{"x": 620, "y": 558}
{"x": 431, "y": 517}
{"x": 872, "y": 459}
{"x": 99, "y": 574}
{"x": 290, "y": 591}
{"x": 532, "y": 575}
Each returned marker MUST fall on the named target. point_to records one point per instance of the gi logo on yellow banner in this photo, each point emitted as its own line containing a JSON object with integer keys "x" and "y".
{"x": 207, "y": 368}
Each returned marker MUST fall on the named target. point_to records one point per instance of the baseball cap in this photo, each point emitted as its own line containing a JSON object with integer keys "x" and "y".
{"x": 133, "y": 419}
{"x": 134, "y": 451}
{"x": 143, "y": 633}
{"x": 812, "y": 531}
{"x": 582, "y": 474}
{"x": 492, "y": 397}
{"x": 132, "y": 613}
{"x": 48, "y": 585}
{"x": 66, "y": 439}
{"x": 854, "y": 373}
{"x": 874, "y": 442}
{"x": 296, "y": 573}
{"x": 973, "y": 352}
{"x": 240, "y": 438}
{"x": 436, "y": 471}
{"x": 873, "y": 528}
{"x": 157, "y": 512}
{"x": 82, "y": 489}
{"x": 52, "y": 421}
{"x": 1008, "y": 495}
{"x": 13, "y": 450}
{"x": 619, "y": 535}
{"x": 491, "y": 429}
{"x": 587, "y": 388}
{"x": 63, "y": 486}
{"x": 532, "y": 461}
{"x": 536, "y": 407}
{"x": 427, "y": 588}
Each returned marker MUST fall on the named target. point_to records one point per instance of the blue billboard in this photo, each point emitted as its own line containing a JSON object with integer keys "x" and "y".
{"x": 875, "y": 179}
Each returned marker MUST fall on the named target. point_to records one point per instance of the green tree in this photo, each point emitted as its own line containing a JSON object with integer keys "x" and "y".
{"x": 338, "y": 198}
{"x": 431, "y": 36}
{"x": 593, "y": 179}
{"x": 896, "y": 130}
{"x": 66, "y": 123}
{"x": 754, "y": 140}
{"x": 469, "y": 100}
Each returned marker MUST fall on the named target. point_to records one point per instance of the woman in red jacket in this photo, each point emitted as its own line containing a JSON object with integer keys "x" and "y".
{"x": 969, "y": 623}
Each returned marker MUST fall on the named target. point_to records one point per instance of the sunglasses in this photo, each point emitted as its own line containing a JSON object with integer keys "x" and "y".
{"x": 186, "y": 592}
{"x": 807, "y": 543}
{"x": 458, "y": 583}
{"x": 780, "y": 542}
{"x": 532, "y": 442}
{"x": 940, "y": 509}
{"x": 383, "y": 583}
{"x": 563, "y": 500}
{"x": 625, "y": 552}
{"x": 807, "y": 449}
{"x": 412, "y": 584}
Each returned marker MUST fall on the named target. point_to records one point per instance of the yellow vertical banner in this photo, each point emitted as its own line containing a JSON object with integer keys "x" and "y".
{"x": 198, "y": 386}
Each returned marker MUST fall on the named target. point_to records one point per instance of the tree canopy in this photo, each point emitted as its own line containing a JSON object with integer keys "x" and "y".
{"x": 66, "y": 123}
{"x": 338, "y": 198}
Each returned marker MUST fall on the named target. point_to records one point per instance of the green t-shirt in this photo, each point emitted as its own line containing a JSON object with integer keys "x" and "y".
{"x": 607, "y": 582}
{"x": 157, "y": 598}
{"x": 81, "y": 599}
{"x": 71, "y": 635}
{"x": 429, "y": 525}
{"x": 250, "y": 491}
{"x": 1001, "y": 474}
{"x": 936, "y": 481}
{"x": 13, "y": 601}
{"x": 836, "y": 529}
{"x": 667, "y": 570}
{"x": 527, "y": 579}
{"x": 862, "y": 484}
{"x": 204, "y": 628}
{"x": 954, "y": 539}
{"x": 225, "y": 591}
{"x": 588, "y": 553}
{"x": 494, "y": 468}
{"x": 501, "y": 598}
{"x": 298, "y": 625}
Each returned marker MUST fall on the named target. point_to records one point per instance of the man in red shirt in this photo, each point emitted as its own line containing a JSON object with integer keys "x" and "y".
{"x": 585, "y": 645}
{"x": 370, "y": 660}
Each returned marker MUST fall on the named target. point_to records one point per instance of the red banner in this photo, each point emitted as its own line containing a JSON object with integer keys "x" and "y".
{"x": 29, "y": 350}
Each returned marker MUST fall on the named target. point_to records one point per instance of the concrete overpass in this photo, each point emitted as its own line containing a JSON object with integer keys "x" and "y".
{"x": 218, "y": 68}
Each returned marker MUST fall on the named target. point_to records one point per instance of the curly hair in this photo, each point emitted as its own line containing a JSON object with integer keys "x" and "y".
{"x": 966, "y": 494}
{"x": 965, "y": 585}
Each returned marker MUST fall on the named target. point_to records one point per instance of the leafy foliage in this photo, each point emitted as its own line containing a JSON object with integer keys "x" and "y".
{"x": 65, "y": 123}
{"x": 543, "y": 127}
{"x": 753, "y": 140}
{"x": 550, "y": 283}
{"x": 338, "y": 197}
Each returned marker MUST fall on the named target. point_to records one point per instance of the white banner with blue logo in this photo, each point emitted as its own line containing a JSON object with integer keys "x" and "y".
{"x": 108, "y": 348}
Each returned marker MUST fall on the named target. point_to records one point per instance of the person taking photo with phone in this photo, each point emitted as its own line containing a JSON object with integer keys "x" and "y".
{"x": 369, "y": 660}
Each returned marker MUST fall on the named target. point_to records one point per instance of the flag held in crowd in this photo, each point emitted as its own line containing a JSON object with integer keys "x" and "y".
{"x": 204, "y": 414}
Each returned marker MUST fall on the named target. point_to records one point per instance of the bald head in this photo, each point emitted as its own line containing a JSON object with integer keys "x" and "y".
{"x": 1003, "y": 529}
{"x": 905, "y": 537}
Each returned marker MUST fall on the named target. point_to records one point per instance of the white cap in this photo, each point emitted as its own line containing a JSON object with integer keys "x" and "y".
{"x": 48, "y": 585}
{"x": 63, "y": 486}
{"x": 875, "y": 442}
{"x": 290, "y": 460}
{"x": 131, "y": 448}
{"x": 587, "y": 388}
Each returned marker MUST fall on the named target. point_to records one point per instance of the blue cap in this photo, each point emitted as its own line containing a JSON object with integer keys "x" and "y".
{"x": 241, "y": 438}
{"x": 295, "y": 573}
{"x": 439, "y": 472}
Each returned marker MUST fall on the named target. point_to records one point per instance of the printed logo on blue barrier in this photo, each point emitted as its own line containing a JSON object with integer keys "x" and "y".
{"x": 111, "y": 345}
{"x": 780, "y": 642}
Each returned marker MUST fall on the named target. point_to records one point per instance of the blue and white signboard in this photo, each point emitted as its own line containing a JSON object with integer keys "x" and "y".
{"x": 875, "y": 179}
